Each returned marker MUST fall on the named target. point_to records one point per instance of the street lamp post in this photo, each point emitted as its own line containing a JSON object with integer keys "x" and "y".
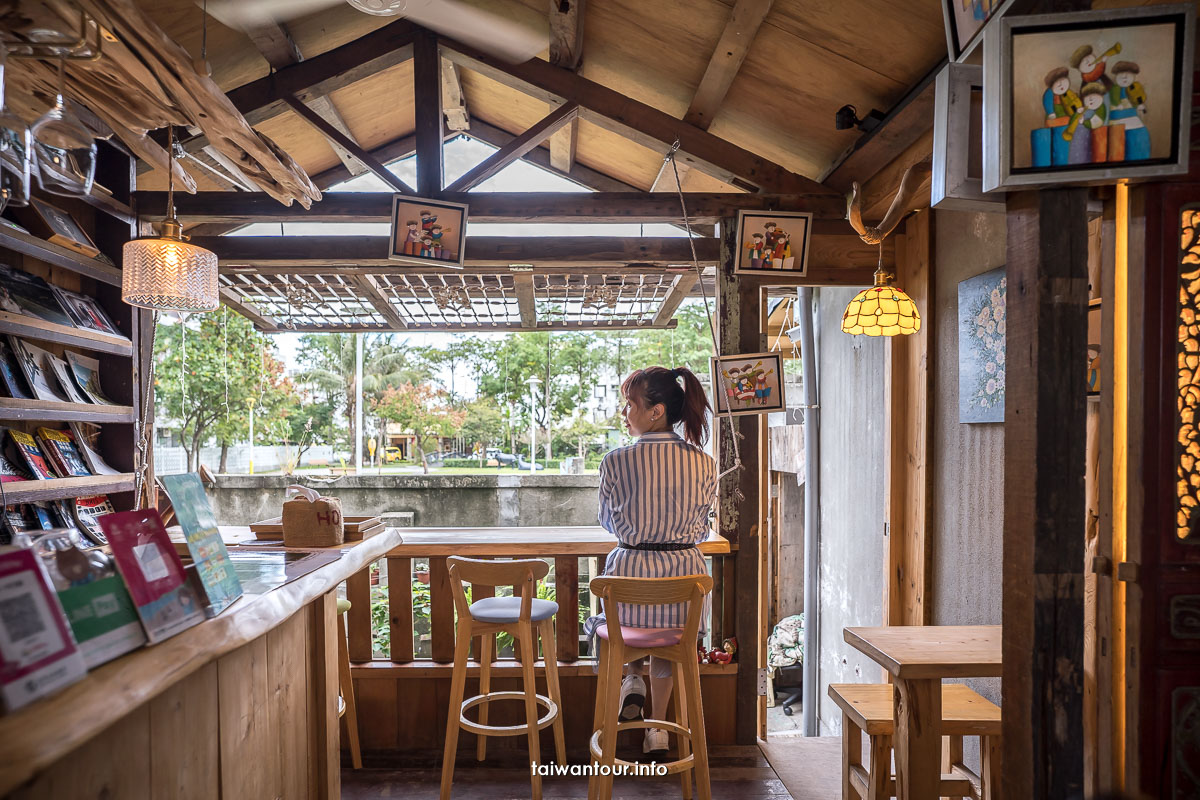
{"x": 533, "y": 383}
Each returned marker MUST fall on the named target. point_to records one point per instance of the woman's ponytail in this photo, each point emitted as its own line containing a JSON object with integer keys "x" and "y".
{"x": 681, "y": 394}
{"x": 694, "y": 414}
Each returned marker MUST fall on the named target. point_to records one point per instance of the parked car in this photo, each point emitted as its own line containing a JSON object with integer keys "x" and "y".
{"x": 392, "y": 455}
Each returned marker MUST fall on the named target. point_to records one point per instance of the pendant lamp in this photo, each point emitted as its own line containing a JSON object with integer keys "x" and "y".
{"x": 164, "y": 272}
{"x": 881, "y": 310}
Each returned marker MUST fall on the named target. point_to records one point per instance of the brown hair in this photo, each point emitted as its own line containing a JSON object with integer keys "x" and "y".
{"x": 1125, "y": 66}
{"x": 1091, "y": 88}
{"x": 1058, "y": 73}
{"x": 1082, "y": 52}
{"x": 684, "y": 402}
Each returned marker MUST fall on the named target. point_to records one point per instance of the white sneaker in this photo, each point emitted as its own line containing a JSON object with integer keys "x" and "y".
{"x": 633, "y": 696}
{"x": 655, "y": 742}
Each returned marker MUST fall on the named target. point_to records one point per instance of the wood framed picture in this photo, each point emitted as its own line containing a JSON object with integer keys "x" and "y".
{"x": 965, "y": 21}
{"x": 748, "y": 383}
{"x": 982, "y": 346}
{"x": 428, "y": 232}
{"x": 1089, "y": 97}
{"x": 773, "y": 242}
{"x": 957, "y": 182}
{"x": 64, "y": 230}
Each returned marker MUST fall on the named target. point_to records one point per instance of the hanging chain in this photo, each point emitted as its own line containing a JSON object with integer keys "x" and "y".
{"x": 734, "y": 435}
{"x": 142, "y": 431}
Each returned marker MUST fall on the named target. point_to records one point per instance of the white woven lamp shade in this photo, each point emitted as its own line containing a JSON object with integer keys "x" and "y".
{"x": 165, "y": 273}
{"x": 881, "y": 310}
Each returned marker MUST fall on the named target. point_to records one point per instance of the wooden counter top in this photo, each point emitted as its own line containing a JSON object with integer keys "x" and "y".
{"x": 38, "y": 735}
{"x": 550, "y": 540}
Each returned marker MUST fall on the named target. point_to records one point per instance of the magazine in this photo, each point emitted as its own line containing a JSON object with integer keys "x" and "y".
{"x": 85, "y": 312}
{"x": 22, "y": 293}
{"x": 153, "y": 571}
{"x": 86, "y": 372}
{"x": 11, "y": 377}
{"x": 35, "y": 368}
{"x": 217, "y": 577}
{"x": 59, "y": 447}
{"x": 11, "y": 470}
{"x": 29, "y": 451}
{"x": 88, "y": 511}
{"x": 87, "y": 439}
{"x": 62, "y": 375}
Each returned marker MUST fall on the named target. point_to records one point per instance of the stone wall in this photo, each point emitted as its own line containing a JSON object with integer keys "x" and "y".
{"x": 447, "y": 500}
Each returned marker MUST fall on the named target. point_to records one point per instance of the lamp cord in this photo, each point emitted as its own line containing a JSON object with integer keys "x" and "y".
{"x": 712, "y": 330}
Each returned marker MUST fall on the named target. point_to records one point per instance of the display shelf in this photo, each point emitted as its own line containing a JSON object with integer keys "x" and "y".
{"x": 58, "y": 256}
{"x": 33, "y": 328}
{"x": 63, "y": 488}
{"x": 51, "y": 411}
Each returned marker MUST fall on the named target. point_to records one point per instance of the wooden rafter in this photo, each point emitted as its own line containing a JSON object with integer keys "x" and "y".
{"x": 454, "y": 102}
{"x": 727, "y": 58}
{"x": 523, "y": 282}
{"x": 680, "y": 289}
{"x": 518, "y": 147}
{"x": 371, "y": 291}
{"x": 234, "y": 301}
{"x": 639, "y": 122}
{"x": 335, "y": 136}
{"x": 427, "y": 95}
{"x": 566, "y": 51}
{"x": 584, "y": 176}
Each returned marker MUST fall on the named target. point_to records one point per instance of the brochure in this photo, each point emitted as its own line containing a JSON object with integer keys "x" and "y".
{"x": 204, "y": 543}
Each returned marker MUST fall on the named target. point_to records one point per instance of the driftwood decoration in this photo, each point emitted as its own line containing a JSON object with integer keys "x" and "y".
{"x": 909, "y": 184}
{"x": 145, "y": 81}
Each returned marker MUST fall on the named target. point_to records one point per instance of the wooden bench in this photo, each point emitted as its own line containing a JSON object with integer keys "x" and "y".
{"x": 867, "y": 708}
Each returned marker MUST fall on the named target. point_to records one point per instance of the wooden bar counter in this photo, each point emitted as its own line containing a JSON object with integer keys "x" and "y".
{"x": 241, "y": 706}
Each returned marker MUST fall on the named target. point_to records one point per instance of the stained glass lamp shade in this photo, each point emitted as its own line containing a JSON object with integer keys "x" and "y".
{"x": 881, "y": 310}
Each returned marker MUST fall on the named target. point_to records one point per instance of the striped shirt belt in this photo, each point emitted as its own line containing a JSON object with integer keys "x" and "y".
{"x": 657, "y": 546}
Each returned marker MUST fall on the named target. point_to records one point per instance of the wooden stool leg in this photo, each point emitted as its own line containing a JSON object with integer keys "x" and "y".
{"x": 598, "y": 717}
{"x": 487, "y": 644}
{"x": 851, "y": 755}
{"x": 691, "y": 671}
{"x": 952, "y": 753}
{"x": 458, "y": 681}
{"x": 880, "y": 786}
{"x": 550, "y": 656}
{"x": 346, "y": 684}
{"x": 528, "y": 657}
{"x": 608, "y": 738}
{"x": 682, "y": 746}
{"x": 990, "y": 770}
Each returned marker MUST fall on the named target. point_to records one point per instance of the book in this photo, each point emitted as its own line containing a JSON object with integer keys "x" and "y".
{"x": 11, "y": 470}
{"x": 62, "y": 377}
{"x": 35, "y": 368}
{"x": 213, "y": 567}
{"x": 87, "y": 439}
{"x": 29, "y": 295}
{"x": 165, "y": 601}
{"x": 62, "y": 517}
{"x": 85, "y": 312}
{"x": 37, "y": 654}
{"x": 24, "y": 518}
{"x": 31, "y": 454}
{"x": 11, "y": 377}
{"x": 88, "y": 511}
{"x": 59, "y": 447}
{"x": 86, "y": 372}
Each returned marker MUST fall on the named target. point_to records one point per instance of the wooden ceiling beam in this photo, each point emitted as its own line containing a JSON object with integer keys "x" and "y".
{"x": 518, "y": 147}
{"x": 639, "y": 122}
{"x": 236, "y": 302}
{"x": 727, "y": 58}
{"x": 427, "y": 98}
{"x": 703, "y": 207}
{"x": 454, "y": 102}
{"x": 566, "y": 51}
{"x": 481, "y": 250}
{"x": 337, "y": 137}
{"x": 680, "y": 289}
{"x": 584, "y": 176}
{"x": 377, "y": 299}
{"x": 526, "y": 304}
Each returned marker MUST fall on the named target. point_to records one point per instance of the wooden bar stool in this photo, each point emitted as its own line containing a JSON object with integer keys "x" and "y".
{"x": 347, "y": 708}
{"x": 525, "y": 618}
{"x": 868, "y": 708}
{"x": 620, "y": 645}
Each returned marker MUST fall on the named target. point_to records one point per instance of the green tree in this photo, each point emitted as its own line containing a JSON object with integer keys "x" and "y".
{"x": 208, "y": 369}
{"x": 482, "y": 423}
{"x": 420, "y": 409}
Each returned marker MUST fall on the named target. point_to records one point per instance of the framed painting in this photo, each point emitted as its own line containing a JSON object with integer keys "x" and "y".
{"x": 965, "y": 20}
{"x": 1087, "y": 98}
{"x": 982, "y": 354}
{"x": 428, "y": 232}
{"x": 748, "y": 383}
{"x": 957, "y": 181}
{"x": 64, "y": 230}
{"x": 773, "y": 243}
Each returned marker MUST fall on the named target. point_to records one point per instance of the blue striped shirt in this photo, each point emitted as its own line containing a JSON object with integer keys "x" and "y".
{"x": 658, "y": 489}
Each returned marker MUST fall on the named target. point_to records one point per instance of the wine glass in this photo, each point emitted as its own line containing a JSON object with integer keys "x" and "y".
{"x": 16, "y": 153}
{"x": 65, "y": 149}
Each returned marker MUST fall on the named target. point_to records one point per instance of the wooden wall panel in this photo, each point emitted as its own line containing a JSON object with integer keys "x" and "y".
{"x": 249, "y": 760}
{"x": 287, "y": 704}
{"x": 187, "y": 712}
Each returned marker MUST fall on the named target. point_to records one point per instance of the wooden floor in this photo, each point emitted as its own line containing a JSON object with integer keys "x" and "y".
{"x": 738, "y": 773}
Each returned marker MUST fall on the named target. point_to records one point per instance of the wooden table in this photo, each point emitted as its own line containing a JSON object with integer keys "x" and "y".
{"x": 918, "y": 657}
{"x": 547, "y": 540}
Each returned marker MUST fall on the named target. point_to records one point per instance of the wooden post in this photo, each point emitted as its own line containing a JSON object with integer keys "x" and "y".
{"x": 400, "y": 608}
{"x": 358, "y": 623}
{"x": 738, "y": 329}
{"x": 1044, "y": 450}
{"x": 427, "y": 97}
{"x": 441, "y": 611}
{"x": 566, "y": 621}
{"x": 324, "y": 755}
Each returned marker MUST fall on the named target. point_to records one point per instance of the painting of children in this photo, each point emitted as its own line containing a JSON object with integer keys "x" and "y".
{"x": 748, "y": 383}
{"x": 773, "y": 242}
{"x": 428, "y": 231}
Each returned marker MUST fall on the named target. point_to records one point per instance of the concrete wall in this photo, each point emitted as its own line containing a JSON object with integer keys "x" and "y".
{"x": 450, "y": 500}
{"x": 851, "y": 389}
{"x": 968, "y": 459}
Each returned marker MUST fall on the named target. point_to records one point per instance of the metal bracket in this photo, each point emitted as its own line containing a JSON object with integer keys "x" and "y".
{"x": 763, "y": 681}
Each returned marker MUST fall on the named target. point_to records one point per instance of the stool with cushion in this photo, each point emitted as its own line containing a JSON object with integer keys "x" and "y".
{"x": 868, "y": 708}
{"x": 620, "y": 645}
{"x": 525, "y": 618}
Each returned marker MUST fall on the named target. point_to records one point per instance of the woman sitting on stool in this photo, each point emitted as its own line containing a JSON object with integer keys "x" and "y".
{"x": 655, "y": 495}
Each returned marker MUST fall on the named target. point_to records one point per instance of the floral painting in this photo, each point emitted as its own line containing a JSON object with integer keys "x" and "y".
{"x": 982, "y": 317}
